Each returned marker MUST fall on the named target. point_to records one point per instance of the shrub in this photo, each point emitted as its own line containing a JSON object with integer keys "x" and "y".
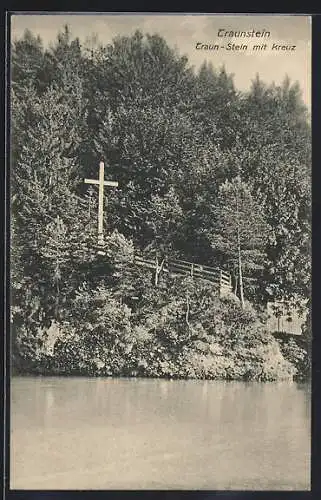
{"x": 186, "y": 331}
{"x": 97, "y": 336}
{"x": 297, "y": 352}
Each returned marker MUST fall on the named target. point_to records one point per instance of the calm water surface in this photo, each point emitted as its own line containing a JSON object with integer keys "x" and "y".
{"x": 79, "y": 433}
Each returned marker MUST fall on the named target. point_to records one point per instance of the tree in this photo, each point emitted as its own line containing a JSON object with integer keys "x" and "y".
{"x": 216, "y": 104}
{"x": 163, "y": 220}
{"x": 240, "y": 231}
{"x": 205, "y": 173}
{"x": 275, "y": 154}
{"x": 43, "y": 184}
{"x": 63, "y": 63}
{"x": 26, "y": 62}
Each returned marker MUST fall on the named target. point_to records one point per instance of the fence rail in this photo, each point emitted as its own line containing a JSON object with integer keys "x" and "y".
{"x": 183, "y": 268}
{"x": 222, "y": 280}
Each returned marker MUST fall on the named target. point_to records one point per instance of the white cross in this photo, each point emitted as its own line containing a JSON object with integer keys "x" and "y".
{"x": 101, "y": 183}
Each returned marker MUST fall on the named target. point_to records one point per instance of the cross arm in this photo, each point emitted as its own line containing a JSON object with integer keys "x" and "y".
{"x": 106, "y": 183}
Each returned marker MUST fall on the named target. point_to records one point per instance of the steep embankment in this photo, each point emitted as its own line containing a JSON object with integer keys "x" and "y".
{"x": 214, "y": 338}
{"x": 297, "y": 351}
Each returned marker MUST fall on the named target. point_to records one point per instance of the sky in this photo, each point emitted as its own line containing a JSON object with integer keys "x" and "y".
{"x": 184, "y": 31}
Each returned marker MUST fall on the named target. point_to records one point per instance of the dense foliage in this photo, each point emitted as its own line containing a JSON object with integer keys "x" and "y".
{"x": 206, "y": 173}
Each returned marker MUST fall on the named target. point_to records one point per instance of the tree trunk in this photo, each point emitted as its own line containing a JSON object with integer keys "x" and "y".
{"x": 187, "y": 311}
{"x": 240, "y": 268}
{"x": 239, "y": 252}
{"x": 158, "y": 270}
{"x": 236, "y": 283}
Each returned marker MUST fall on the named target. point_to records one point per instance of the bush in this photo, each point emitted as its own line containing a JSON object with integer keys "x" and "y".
{"x": 97, "y": 336}
{"x": 185, "y": 331}
{"x": 297, "y": 352}
{"x": 219, "y": 339}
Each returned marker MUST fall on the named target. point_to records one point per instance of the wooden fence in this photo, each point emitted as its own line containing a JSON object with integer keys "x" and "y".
{"x": 216, "y": 276}
{"x": 285, "y": 322}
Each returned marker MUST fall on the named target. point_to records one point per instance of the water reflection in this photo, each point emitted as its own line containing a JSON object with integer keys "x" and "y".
{"x": 101, "y": 433}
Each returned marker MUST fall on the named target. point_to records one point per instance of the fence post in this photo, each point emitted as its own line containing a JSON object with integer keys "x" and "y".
{"x": 192, "y": 269}
{"x": 220, "y": 283}
{"x": 156, "y": 271}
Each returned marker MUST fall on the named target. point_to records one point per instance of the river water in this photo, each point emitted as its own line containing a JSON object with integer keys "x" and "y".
{"x": 103, "y": 433}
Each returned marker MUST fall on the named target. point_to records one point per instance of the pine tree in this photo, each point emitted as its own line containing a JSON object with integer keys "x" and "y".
{"x": 240, "y": 231}
{"x": 216, "y": 105}
{"x": 26, "y": 62}
{"x": 276, "y": 160}
{"x": 44, "y": 175}
{"x": 62, "y": 63}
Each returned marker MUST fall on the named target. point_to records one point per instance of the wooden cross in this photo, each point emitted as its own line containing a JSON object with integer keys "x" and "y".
{"x": 101, "y": 183}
